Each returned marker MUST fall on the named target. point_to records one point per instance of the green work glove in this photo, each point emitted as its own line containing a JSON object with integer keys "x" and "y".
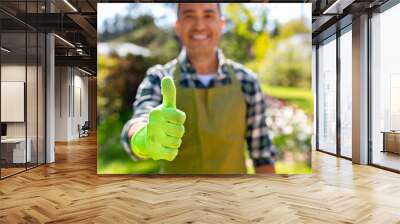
{"x": 161, "y": 137}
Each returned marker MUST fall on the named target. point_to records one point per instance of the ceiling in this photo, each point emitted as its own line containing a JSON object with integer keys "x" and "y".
{"x": 326, "y": 14}
{"x": 74, "y": 22}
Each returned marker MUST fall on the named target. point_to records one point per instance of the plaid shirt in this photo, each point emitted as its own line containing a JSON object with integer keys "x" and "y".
{"x": 149, "y": 96}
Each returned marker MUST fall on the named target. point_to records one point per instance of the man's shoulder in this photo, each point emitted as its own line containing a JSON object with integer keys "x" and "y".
{"x": 162, "y": 70}
{"x": 243, "y": 72}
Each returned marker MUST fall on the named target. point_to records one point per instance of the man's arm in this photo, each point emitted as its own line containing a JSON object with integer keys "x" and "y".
{"x": 265, "y": 169}
{"x": 262, "y": 150}
{"x": 162, "y": 135}
{"x": 156, "y": 129}
{"x": 135, "y": 127}
{"x": 147, "y": 98}
{"x": 259, "y": 143}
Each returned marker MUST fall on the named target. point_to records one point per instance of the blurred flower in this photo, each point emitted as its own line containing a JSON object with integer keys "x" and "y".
{"x": 290, "y": 129}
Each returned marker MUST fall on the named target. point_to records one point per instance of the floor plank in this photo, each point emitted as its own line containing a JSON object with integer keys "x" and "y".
{"x": 70, "y": 191}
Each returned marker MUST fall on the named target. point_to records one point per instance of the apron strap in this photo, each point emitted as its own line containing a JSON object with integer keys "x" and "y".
{"x": 178, "y": 75}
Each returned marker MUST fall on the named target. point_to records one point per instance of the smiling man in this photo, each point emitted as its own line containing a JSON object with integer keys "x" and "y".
{"x": 216, "y": 112}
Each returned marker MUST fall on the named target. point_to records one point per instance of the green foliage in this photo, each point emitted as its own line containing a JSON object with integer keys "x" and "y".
{"x": 118, "y": 80}
{"x": 287, "y": 65}
{"x": 278, "y": 57}
{"x": 238, "y": 40}
{"x": 292, "y": 28}
{"x": 292, "y": 168}
{"x": 130, "y": 167}
{"x": 291, "y": 131}
{"x": 296, "y": 97}
{"x": 162, "y": 43}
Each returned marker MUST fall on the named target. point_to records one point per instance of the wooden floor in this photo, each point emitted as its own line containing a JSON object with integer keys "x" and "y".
{"x": 70, "y": 191}
{"x": 10, "y": 171}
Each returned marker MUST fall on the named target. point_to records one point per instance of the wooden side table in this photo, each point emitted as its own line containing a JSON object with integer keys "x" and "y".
{"x": 391, "y": 141}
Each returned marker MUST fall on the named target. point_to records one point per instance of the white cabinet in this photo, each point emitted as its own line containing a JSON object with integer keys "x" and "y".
{"x": 18, "y": 149}
{"x": 12, "y": 101}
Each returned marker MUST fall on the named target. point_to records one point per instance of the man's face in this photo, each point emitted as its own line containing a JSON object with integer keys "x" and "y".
{"x": 199, "y": 27}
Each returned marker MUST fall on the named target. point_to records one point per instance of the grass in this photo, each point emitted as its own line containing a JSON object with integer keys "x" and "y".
{"x": 292, "y": 168}
{"x": 298, "y": 97}
{"x": 129, "y": 167}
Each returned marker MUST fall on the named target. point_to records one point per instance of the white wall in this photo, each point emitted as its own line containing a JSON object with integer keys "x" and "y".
{"x": 314, "y": 90}
{"x": 71, "y": 94}
{"x": 12, "y": 73}
{"x": 61, "y": 103}
{"x": 12, "y": 100}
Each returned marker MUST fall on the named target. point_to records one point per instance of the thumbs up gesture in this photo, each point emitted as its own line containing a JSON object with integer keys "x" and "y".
{"x": 161, "y": 137}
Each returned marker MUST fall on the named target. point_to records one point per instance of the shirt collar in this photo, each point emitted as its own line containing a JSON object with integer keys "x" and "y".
{"x": 187, "y": 68}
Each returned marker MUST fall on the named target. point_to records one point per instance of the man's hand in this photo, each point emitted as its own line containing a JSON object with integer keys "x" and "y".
{"x": 265, "y": 169}
{"x": 161, "y": 137}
